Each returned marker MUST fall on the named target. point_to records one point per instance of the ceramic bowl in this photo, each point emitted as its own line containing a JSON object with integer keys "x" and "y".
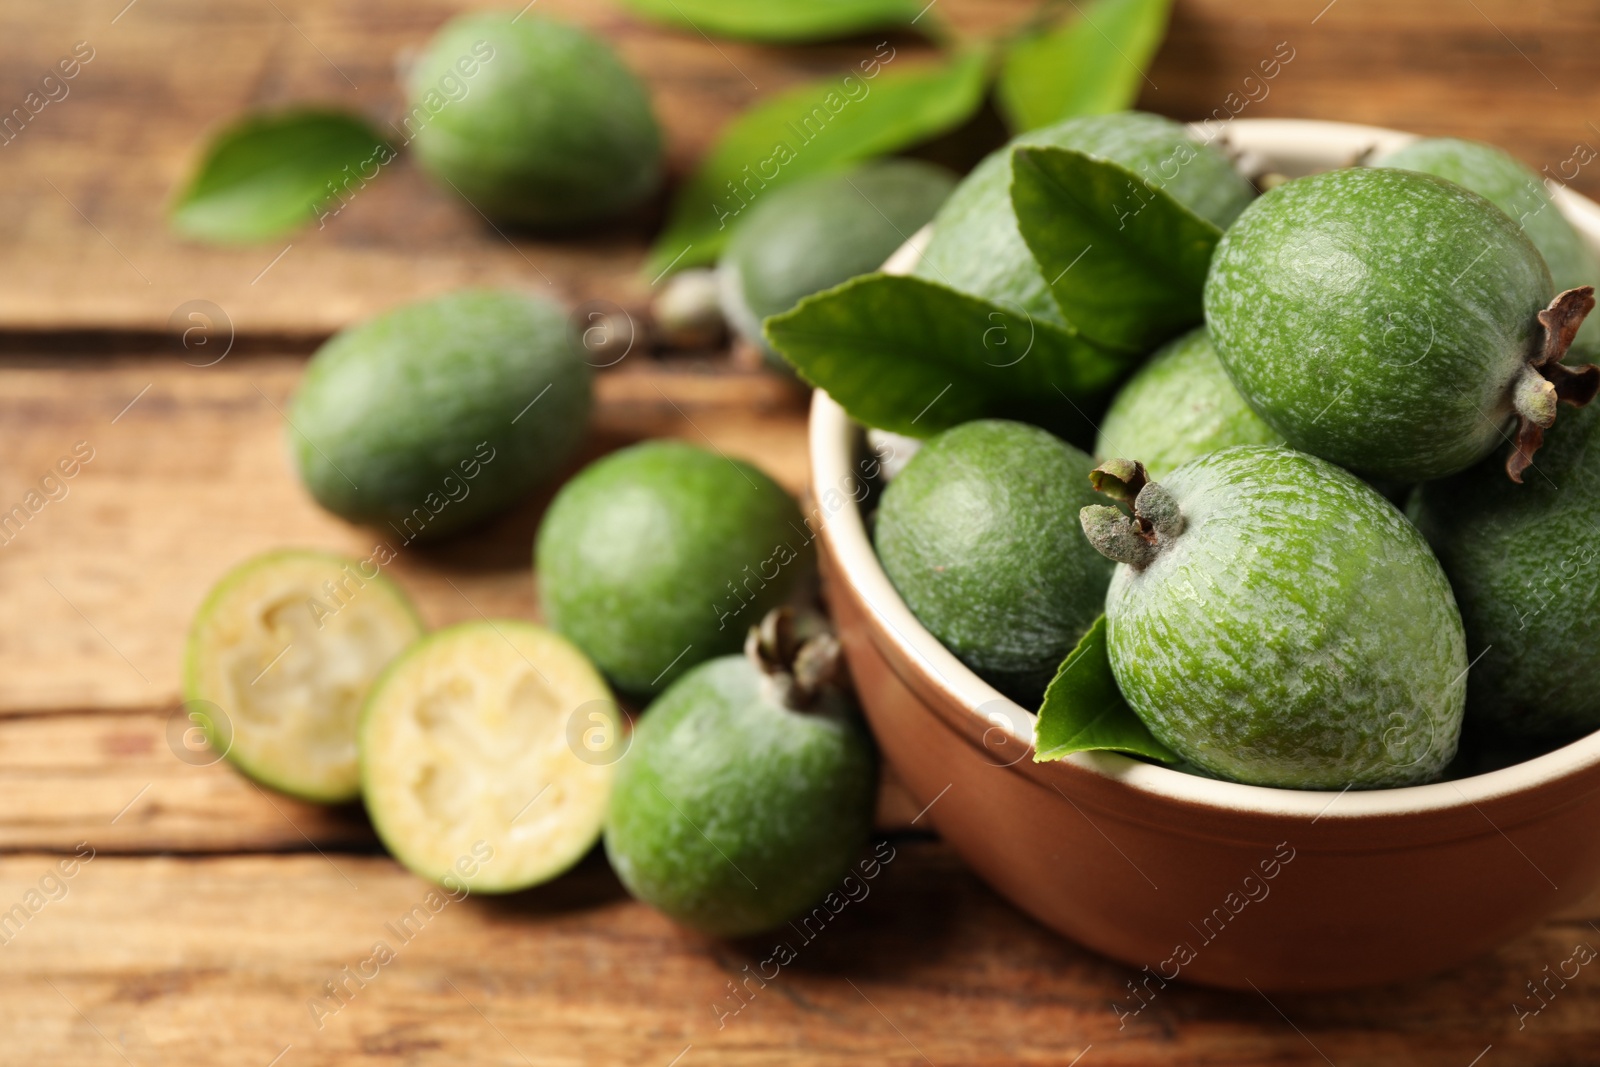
{"x": 1181, "y": 877}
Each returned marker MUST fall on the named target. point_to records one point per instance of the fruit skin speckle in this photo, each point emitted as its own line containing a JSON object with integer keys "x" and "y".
{"x": 663, "y": 555}
{"x": 1521, "y": 194}
{"x": 1379, "y": 318}
{"x": 432, "y": 417}
{"x": 980, "y": 535}
{"x": 1525, "y": 564}
{"x": 978, "y": 249}
{"x": 733, "y": 813}
{"x": 1297, "y": 632}
{"x": 820, "y": 232}
{"x": 550, "y": 128}
{"x": 1178, "y": 407}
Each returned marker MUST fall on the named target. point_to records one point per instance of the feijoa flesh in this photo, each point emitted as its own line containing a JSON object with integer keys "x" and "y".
{"x": 280, "y": 658}
{"x": 474, "y": 764}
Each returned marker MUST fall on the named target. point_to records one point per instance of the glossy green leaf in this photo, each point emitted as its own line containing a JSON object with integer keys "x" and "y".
{"x": 1091, "y": 63}
{"x": 1083, "y": 709}
{"x": 1126, "y": 262}
{"x": 783, "y": 20}
{"x": 872, "y": 110}
{"x": 267, "y": 174}
{"x": 912, "y": 356}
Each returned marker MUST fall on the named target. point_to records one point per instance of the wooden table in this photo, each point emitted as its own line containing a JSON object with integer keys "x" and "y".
{"x": 212, "y": 914}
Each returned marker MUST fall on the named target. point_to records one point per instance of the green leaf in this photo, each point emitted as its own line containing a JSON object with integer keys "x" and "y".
{"x": 1092, "y": 63}
{"x": 782, "y": 20}
{"x": 915, "y": 357}
{"x": 267, "y": 174}
{"x": 1126, "y": 262}
{"x": 871, "y": 111}
{"x": 1083, "y": 709}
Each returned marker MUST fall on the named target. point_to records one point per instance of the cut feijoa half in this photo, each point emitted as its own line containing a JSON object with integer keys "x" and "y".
{"x": 279, "y": 660}
{"x": 487, "y": 755}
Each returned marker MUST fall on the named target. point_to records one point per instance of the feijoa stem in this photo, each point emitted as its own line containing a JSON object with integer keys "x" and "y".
{"x": 1137, "y": 539}
{"x": 1546, "y": 383}
{"x": 796, "y": 670}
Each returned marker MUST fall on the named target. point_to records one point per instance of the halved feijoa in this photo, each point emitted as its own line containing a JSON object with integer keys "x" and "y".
{"x": 280, "y": 657}
{"x": 476, "y": 758}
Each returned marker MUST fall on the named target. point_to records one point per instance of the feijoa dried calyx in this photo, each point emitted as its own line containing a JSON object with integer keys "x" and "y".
{"x": 1545, "y": 382}
{"x": 1274, "y": 621}
{"x": 1394, "y": 323}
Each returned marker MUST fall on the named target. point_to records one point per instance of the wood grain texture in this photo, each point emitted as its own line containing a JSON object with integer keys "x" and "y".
{"x": 219, "y": 953}
{"x": 193, "y": 477}
{"x": 180, "y": 961}
{"x": 88, "y": 177}
{"x": 131, "y": 782}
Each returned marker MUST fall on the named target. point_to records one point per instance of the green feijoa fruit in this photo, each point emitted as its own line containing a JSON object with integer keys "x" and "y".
{"x": 977, "y": 248}
{"x": 279, "y": 659}
{"x": 1393, "y": 322}
{"x": 532, "y": 120}
{"x": 1275, "y": 621}
{"x": 803, "y": 238}
{"x": 662, "y": 555}
{"x": 437, "y": 415}
{"x": 745, "y": 796}
{"x": 476, "y": 766}
{"x": 1178, "y": 407}
{"x": 979, "y": 535}
{"x": 1523, "y": 562}
{"x": 1520, "y": 193}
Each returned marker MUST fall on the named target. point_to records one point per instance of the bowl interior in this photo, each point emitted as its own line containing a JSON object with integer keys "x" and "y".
{"x": 1293, "y": 147}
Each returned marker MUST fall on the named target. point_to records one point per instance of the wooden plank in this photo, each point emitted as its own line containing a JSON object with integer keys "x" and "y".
{"x": 130, "y": 782}
{"x": 85, "y": 244}
{"x": 191, "y": 478}
{"x": 168, "y": 960}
